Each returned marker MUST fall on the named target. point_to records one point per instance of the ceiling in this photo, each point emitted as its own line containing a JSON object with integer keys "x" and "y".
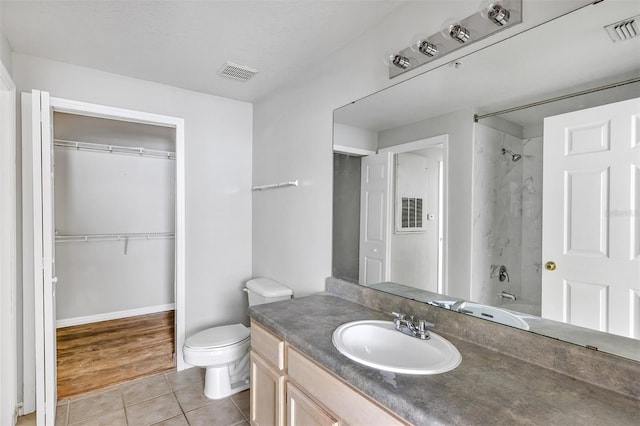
{"x": 185, "y": 43}
{"x": 540, "y": 63}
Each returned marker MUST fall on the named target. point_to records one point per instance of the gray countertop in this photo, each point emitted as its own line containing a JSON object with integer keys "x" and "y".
{"x": 487, "y": 388}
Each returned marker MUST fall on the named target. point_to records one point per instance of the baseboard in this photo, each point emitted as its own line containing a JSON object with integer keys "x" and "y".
{"x": 114, "y": 315}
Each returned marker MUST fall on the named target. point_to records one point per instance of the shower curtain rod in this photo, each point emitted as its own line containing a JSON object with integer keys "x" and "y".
{"x": 477, "y": 117}
{"x": 114, "y": 149}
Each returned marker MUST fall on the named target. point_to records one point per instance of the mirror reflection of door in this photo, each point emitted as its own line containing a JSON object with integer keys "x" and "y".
{"x": 591, "y": 234}
{"x": 375, "y": 212}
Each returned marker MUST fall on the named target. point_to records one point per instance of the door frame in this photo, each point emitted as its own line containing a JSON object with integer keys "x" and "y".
{"x": 8, "y": 251}
{"x": 443, "y": 223}
{"x": 119, "y": 114}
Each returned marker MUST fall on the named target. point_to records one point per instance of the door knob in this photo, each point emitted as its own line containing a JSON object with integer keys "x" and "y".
{"x": 550, "y": 266}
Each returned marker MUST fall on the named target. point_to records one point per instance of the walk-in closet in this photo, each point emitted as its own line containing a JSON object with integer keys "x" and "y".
{"x": 114, "y": 215}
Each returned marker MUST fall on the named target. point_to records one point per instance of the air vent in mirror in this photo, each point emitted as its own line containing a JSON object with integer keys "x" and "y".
{"x": 624, "y": 30}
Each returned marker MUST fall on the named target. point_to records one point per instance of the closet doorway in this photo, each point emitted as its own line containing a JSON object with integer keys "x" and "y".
{"x": 114, "y": 215}
{"x": 108, "y": 208}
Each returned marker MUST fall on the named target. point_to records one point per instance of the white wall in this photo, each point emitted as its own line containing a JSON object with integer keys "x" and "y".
{"x": 5, "y": 51}
{"x": 355, "y": 137}
{"x": 102, "y": 193}
{"x": 218, "y": 145}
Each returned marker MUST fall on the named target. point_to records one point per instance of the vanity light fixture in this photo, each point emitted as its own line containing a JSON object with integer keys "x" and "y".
{"x": 493, "y": 16}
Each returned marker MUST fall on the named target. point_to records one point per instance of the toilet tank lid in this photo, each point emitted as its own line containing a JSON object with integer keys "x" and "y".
{"x": 218, "y": 336}
{"x": 268, "y": 288}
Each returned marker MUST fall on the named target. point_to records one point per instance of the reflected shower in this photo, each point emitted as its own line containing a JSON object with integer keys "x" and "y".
{"x": 514, "y": 157}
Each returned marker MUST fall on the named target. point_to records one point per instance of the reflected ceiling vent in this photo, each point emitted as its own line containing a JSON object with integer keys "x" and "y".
{"x": 237, "y": 72}
{"x": 624, "y": 30}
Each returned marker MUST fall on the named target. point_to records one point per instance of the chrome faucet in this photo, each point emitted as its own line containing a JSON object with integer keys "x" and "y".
{"x": 411, "y": 326}
{"x": 505, "y": 295}
{"x": 459, "y": 306}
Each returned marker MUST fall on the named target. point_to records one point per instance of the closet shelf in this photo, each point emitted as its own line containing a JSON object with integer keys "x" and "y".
{"x": 113, "y": 149}
{"x": 114, "y": 237}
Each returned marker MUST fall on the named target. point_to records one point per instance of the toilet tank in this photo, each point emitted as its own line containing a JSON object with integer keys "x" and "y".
{"x": 264, "y": 290}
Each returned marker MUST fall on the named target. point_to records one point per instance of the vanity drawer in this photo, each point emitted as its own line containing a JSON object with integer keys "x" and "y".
{"x": 345, "y": 402}
{"x": 269, "y": 346}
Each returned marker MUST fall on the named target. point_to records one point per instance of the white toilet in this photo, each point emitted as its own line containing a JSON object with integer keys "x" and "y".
{"x": 224, "y": 350}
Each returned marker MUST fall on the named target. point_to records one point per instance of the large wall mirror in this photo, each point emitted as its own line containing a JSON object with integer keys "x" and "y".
{"x": 508, "y": 178}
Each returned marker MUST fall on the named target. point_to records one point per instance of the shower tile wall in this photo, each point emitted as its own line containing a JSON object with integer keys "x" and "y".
{"x": 497, "y": 215}
{"x": 532, "y": 220}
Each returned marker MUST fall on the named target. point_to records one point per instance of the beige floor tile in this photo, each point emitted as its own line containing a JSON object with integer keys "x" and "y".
{"x": 115, "y": 418}
{"x": 28, "y": 420}
{"x": 242, "y": 401}
{"x": 94, "y": 405}
{"x": 145, "y": 389}
{"x": 192, "y": 397}
{"x": 62, "y": 411}
{"x": 180, "y": 420}
{"x": 153, "y": 411}
{"x": 184, "y": 378}
{"x": 219, "y": 413}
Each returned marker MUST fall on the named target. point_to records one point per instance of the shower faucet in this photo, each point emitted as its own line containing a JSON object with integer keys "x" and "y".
{"x": 505, "y": 295}
{"x": 503, "y": 274}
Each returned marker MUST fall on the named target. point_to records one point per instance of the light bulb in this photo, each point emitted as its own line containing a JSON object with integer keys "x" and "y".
{"x": 420, "y": 44}
{"x": 395, "y": 59}
{"x": 453, "y": 30}
{"x": 494, "y": 11}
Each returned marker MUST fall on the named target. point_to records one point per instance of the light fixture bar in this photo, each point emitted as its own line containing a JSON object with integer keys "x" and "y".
{"x": 500, "y": 15}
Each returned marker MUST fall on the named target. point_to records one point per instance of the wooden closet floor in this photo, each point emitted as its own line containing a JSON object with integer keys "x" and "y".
{"x": 100, "y": 354}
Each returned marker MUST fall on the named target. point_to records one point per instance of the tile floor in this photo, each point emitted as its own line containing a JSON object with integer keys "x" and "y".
{"x": 168, "y": 399}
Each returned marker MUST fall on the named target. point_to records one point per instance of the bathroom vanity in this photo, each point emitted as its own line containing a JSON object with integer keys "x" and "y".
{"x": 290, "y": 388}
{"x": 299, "y": 377}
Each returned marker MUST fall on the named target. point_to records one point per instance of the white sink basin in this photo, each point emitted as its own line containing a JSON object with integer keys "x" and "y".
{"x": 492, "y": 313}
{"x": 379, "y": 345}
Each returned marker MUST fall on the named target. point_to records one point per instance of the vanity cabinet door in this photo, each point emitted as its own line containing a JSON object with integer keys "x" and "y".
{"x": 302, "y": 411}
{"x": 267, "y": 393}
{"x": 345, "y": 403}
{"x": 268, "y": 345}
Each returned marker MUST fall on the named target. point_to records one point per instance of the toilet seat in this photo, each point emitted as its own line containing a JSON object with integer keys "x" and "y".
{"x": 218, "y": 337}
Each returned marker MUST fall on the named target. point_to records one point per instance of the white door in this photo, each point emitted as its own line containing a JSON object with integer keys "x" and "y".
{"x": 591, "y": 218}
{"x": 375, "y": 207}
{"x": 44, "y": 270}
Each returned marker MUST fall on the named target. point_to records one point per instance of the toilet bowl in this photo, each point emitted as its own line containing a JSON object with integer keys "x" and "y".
{"x": 224, "y": 351}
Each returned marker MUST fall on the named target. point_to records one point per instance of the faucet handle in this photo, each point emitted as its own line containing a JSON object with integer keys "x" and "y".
{"x": 399, "y": 315}
{"x": 423, "y": 331}
{"x": 423, "y": 325}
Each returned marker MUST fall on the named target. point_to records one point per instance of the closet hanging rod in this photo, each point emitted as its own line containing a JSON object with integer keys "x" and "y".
{"x": 275, "y": 185}
{"x": 114, "y": 237}
{"x": 113, "y": 149}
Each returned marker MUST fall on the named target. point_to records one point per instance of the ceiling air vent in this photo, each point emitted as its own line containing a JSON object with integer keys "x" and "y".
{"x": 237, "y": 72}
{"x": 624, "y": 30}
